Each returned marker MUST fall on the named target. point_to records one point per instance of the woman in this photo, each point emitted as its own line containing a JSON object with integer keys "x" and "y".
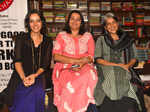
{"x": 115, "y": 56}
{"x": 32, "y": 58}
{"x": 74, "y": 76}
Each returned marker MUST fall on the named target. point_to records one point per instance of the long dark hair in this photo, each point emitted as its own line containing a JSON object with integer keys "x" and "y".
{"x": 82, "y": 26}
{"x": 27, "y": 20}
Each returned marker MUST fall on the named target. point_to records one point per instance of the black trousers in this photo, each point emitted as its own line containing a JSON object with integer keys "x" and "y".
{"x": 125, "y": 104}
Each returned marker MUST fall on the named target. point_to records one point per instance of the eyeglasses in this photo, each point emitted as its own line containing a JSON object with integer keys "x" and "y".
{"x": 110, "y": 24}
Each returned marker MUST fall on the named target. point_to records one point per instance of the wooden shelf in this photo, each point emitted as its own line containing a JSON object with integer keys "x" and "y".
{"x": 122, "y": 14}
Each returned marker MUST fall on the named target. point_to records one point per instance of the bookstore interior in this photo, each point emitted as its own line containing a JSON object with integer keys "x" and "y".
{"x": 134, "y": 17}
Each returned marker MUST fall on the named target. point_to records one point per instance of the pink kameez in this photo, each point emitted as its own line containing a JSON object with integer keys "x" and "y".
{"x": 73, "y": 91}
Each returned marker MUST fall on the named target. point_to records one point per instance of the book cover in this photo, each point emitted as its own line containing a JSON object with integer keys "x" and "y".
{"x": 128, "y": 19}
{"x": 82, "y": 4}
{"x": 105, "y": 6}
{"x": 128, "y": 6}
{"x": 116, "y": 6}
{"x": 47, "y": 4}
{"x": 146, "y": 5}
{"x": 71, "y": 5}
{"x": 139, "y": 18}
{"x": 94, "y": 19}
{"x": 94, "y": 6}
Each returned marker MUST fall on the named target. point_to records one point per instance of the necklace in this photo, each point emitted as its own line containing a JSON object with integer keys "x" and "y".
{"x": 34, "y": 67}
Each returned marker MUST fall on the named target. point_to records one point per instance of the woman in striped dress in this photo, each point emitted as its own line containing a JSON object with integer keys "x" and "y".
{"x": 115, "y": 55}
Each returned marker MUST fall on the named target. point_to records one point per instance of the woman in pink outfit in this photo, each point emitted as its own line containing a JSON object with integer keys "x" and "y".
{"x": 74, "y": 75}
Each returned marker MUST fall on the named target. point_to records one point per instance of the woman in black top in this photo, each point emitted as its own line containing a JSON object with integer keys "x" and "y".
{"x": 32, "y": 58}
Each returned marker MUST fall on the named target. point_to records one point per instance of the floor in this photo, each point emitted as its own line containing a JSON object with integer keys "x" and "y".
{"x": 51, "y": 108}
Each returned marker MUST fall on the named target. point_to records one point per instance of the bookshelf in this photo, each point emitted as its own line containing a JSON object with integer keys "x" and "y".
{"x": 33, "y": 4}
{"x": 134, "y": 15}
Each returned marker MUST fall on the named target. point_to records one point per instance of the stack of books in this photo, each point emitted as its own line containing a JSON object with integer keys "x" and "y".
{"x": 139, "y": 18}
{"x": 71, "y": 5}
{"x": 59, "y": 4}
{"x": 139, "y": 32}
{"x": 52, "y": 31}
{"x": 105, "y": 6}
{"x": 147, "y": 20}
{"x": 139, "y": 6}
{"x": 82, "y": 4}
{"x": 128, "y": 29}
{"x": 48, "y": 16}
{"x": 116, "y": 6}
{"x": 128, "y": 19}
{"x": 94, "y": 19}
{"x": 146, "y": 5}
{"x": 47, "y": 4}
{"x": 94, "y": 6}
{"x": 33, "y": 4}
{"x": 128, "y": 6}
{"x": 60, "y": 17}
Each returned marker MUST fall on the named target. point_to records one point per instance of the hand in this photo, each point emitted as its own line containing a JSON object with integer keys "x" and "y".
{"x": 125, "y": 66}
{"x": 81, "y": 62}
{"x": 29, "y": 80}
{"x": 86, "y": 60}
{"x": 26, "y": 82}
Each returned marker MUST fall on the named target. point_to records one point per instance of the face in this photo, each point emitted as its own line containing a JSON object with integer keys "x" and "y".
{"x": 35, "y": 23}
{"x": 75, "y": 21}
{"x": 111, "y": 25}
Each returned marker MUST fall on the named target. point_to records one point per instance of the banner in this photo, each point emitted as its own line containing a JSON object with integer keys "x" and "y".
{"x": 12, "y": 14}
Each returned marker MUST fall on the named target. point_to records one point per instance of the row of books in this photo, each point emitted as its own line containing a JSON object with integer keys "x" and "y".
{"x": 59, "y": 4}
{"x": 33, "y": 4}
{"x": 59, "y": 16}
{"x": 104, "y": 6}
{"x": 96, "y": 19}
{"x": 142, "y": 19}
{"x": 53, "y": 30}
{"x": 142, "y": 32}
{"x": 124, "y": 6}
{"x": 143, "y": 5}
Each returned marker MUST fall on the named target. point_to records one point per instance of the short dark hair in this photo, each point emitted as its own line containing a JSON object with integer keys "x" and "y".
{"x": 27, "y": 20}
{"x": 82, "y": 26}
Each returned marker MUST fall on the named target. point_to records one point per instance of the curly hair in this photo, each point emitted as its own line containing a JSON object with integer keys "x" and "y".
{"x": 82, "y": 26}
{"x": 40, "y": 14}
